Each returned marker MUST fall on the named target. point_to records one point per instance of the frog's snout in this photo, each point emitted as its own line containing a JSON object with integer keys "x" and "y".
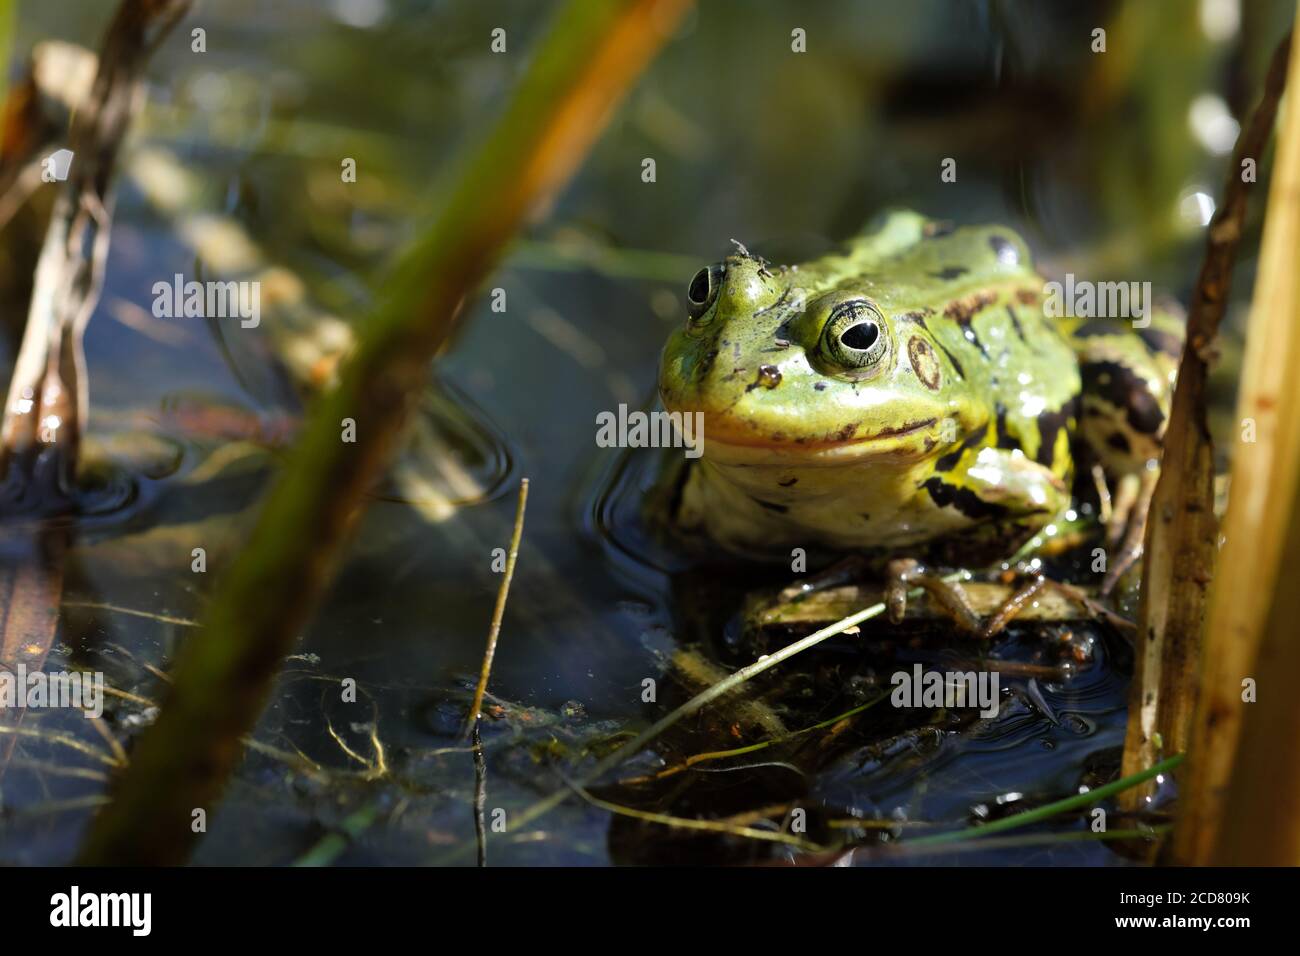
{"x": 747, "y": 287}
{"x": 737, "y": 287}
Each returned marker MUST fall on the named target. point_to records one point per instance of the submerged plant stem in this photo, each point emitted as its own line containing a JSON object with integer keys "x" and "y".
{"x": 690, "y": 823}
{"x": 503, "y": 592}
{"x": 480, "y": 796}
{"x": 700, "y": 758}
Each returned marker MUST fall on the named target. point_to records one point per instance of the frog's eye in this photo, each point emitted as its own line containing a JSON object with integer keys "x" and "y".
{"x": 703, "y": 290}
{"x": 855, "y": 336}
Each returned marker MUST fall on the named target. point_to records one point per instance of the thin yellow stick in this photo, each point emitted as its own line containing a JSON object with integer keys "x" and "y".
{"x": 499, "y": 612}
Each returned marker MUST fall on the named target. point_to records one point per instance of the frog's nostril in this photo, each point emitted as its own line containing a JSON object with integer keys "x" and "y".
{"x": 861, "y": 336}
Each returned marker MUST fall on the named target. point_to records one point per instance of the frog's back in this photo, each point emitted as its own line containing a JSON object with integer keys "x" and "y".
{"x": 1107, "y": 381}
{"x": 1128, "y": 369}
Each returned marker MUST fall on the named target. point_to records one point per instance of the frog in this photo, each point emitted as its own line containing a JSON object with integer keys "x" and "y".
{"x": 908, "y": 397}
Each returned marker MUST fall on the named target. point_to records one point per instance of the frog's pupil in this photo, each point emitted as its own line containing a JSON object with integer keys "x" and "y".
{"x": 861, "y": 336}
{"x": 699, "y": 290}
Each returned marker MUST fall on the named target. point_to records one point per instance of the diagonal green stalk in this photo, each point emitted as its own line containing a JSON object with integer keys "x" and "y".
{"x": 904, "y": 847}
{"x": 591, "y": 55}
{"x": 1039, "y": 814}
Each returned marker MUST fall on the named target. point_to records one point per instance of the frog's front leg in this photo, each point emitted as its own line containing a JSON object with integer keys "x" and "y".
{"x": 1008, "y": 498}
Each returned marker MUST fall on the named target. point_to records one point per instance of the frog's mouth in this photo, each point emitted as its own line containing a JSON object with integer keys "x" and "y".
{"x": 726, "y": 443}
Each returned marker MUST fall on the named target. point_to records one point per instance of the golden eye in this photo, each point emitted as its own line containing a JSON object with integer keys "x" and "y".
{"x": 855, "y": 336}
{"x": 703, "y": 290}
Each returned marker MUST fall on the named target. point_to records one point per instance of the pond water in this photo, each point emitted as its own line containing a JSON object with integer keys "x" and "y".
{"x": 1092, "y": 157}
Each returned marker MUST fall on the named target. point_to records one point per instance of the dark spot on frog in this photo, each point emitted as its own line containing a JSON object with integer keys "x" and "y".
{"x": 974, "y": 340}
{"x": 1049, "y": 425}
{"x": 788, "y": 482}
{"x": 769, "y": 376}
{"x": 964, "y": 309}
{"x": 1004, "y": 437}
{"x": 963, "y": 499}
{"x": 845, "y": 433}
{"x": 905, "y": 429}
{"x": 1096, "y": 327}
{"x": 771, "y": 506}
{"x": 1119, "y": 441}
{"x": 956, "y": 366}
{"x": 819, "y": 386}
{"x": 950, "y": 272}
{"x": 1015, "y": 323}
{"x": 1005, "y": 250}
{"x": 949, "y": 461}
{"x": 1121, "y": 387}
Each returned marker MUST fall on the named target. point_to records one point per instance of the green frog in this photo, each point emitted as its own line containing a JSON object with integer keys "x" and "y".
{"x": 908, "y": 396}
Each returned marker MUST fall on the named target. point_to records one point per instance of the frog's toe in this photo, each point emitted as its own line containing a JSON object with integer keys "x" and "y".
{"x": 904, "y": 574}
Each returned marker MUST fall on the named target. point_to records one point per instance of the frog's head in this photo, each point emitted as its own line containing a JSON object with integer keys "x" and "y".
{"x": 790, "y": 366}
